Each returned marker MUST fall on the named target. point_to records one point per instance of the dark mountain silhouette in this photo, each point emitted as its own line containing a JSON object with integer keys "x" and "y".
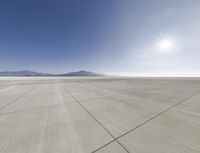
{"x": 23, "y": 73}
{"x": 32, "y": 73}
{"x": 82, "y": 73}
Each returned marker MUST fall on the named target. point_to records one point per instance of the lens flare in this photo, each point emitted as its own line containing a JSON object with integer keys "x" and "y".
{"x": 166, "y": 45}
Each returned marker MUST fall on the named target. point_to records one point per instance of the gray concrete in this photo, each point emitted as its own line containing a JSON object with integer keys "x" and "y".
{"x": 102, "y": 115}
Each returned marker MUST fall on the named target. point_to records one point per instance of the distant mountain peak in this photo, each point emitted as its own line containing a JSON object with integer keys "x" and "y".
{"x": 33, "y": 73}
{"x": 23, "y": 73}
{"x": 82, "y": 73}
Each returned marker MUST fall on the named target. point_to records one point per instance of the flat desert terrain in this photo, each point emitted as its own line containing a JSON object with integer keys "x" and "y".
{"x": 99, "y": 114}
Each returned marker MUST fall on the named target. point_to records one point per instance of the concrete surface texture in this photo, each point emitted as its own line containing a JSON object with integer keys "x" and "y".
{"x": 99, "y": 114}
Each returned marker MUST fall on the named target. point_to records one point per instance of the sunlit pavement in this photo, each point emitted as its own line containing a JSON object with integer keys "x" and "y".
{"x": 102, "y": 114}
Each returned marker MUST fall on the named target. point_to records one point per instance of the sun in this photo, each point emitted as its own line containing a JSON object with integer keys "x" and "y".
{"x": 166, "y": 45}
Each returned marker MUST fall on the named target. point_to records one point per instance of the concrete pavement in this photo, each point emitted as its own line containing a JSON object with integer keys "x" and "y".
{"x": 99, "y": 114}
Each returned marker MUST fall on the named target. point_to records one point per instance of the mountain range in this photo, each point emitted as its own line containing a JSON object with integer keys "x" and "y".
{"x": 32, "y": 73}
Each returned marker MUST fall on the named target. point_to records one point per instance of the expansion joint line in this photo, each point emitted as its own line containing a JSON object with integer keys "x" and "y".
{"x": 114, "y": 139}
{"x": 154, "y": 117}
{"x": 161, "y": 113}
{"x": 17, "y": 98}
{"x": 166, "y": 110}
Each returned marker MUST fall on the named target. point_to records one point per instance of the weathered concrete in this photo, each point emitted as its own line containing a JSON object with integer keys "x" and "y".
{"x": 99, "y": 114}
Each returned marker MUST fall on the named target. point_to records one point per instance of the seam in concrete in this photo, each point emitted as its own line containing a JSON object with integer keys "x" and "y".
{"x": 98, "y": 123}
{"x": 86, "y": 110}
{"x": 108, "y": 96}
{"x": 116, "y": 139}
{"x": 50, "y": 105}
{"x": 104, "y": 146}
{"x": 17, "y": 98}
{"x": 111, "y": 96}
{"x": 158, "y": 115}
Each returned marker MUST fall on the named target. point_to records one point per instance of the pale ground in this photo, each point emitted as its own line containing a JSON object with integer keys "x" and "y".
{"x": 102, "y": 115}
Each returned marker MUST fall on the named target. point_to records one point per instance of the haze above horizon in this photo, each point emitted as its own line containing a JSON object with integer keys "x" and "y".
{"x": 129, "y": 37}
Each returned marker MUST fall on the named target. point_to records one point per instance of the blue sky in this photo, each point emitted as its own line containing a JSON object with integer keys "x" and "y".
{"x": 109, "y": 36}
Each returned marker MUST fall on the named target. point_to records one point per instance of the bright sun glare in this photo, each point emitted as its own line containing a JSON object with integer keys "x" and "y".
{"x": 166, "y": 45}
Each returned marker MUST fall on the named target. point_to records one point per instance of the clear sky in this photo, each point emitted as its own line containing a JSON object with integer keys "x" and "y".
{"x": 126, "y": 37}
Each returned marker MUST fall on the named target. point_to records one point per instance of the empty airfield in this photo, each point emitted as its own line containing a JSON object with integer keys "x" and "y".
{"x": 99, "y": 114}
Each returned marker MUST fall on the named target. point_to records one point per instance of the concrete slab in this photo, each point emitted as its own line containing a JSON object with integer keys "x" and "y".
{"x": 39, "y": 116}
{"x": 164, "y": 95}
{"x": 83, "y": 93}
{"x": 121, "y": 116}
{"x": 191, "y": 106}
{"x": 62, "y": 128}
{"x": 172, "y": 132}
{"x": 10, "y": 94}
{"x": 159, "y": 90}
{"x": 112, "y": 148}
{"x": 40, "y": 96}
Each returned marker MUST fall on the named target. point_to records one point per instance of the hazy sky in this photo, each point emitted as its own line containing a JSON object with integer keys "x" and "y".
{"x": 127, "y": 37}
